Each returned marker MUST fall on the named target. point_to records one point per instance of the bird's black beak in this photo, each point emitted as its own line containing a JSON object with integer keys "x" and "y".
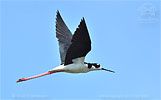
{"x": 107, "y": 70}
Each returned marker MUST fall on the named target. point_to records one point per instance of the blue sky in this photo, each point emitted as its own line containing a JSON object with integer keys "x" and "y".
{"x": 125, "y": 38}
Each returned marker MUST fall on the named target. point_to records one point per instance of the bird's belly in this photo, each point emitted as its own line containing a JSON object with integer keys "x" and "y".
{"x": 74, "y": 68}
{"x": 77, "y": 71}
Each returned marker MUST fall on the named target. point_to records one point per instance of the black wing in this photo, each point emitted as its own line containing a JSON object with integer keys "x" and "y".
{"x": 81, "y": 43}
{"x": 64, "y": 36}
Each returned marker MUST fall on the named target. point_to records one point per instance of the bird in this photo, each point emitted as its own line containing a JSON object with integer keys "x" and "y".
{"x": 73, "y": 50}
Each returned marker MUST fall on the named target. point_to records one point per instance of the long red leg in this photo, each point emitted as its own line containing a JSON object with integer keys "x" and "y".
{"x": 47, "y": 73}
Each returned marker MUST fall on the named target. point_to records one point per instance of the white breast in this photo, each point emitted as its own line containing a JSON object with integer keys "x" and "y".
{"x": 77, "y": 66}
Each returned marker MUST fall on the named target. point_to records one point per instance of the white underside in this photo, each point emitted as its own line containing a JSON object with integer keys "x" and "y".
{"x": 77, "y": 66}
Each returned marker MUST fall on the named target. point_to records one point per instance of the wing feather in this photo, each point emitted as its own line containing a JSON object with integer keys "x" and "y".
{"x": 64, "y": 36}
{"x": 81, "y": 43}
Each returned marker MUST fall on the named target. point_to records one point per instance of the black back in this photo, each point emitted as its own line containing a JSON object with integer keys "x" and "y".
{"x": 81, "y": 43}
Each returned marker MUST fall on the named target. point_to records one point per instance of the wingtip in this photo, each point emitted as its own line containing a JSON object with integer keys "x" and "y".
{"x": 83, "y": 19}
{"x": 57, "y": 11}
{"x": 58, "y": 15}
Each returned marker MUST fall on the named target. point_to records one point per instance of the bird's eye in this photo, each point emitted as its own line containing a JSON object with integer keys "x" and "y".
{"x": 97, "y": 65}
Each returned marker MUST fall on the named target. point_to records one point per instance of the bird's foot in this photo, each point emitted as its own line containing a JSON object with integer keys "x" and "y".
{"x": 22, "y": 79}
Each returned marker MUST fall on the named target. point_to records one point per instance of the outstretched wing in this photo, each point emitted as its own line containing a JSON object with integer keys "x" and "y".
{"x": 64, "y": 36}
{"x": 81, "y": 44}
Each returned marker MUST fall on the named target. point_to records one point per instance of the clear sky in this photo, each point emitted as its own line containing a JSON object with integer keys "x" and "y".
{"x": 125, "y": 38}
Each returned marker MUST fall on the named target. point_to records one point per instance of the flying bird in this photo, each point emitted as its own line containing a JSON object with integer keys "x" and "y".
{"x": 73, "y": 50}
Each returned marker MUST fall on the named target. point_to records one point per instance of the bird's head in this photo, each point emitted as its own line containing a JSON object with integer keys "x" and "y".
{"x": 96, "y": 66}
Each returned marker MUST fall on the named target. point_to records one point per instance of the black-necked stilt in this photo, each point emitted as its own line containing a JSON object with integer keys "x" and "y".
{"x": 73, "y": 49}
